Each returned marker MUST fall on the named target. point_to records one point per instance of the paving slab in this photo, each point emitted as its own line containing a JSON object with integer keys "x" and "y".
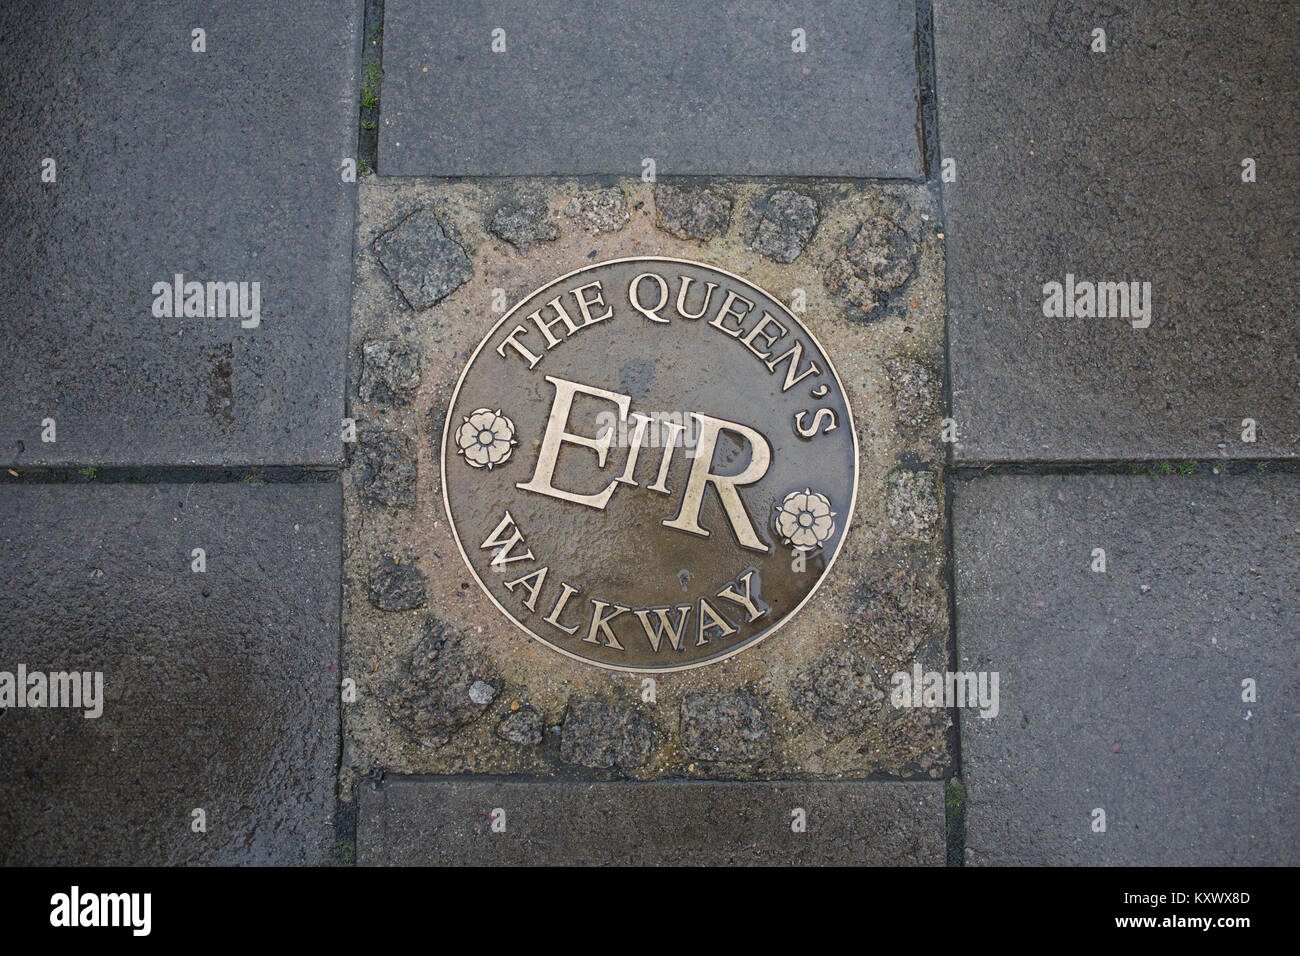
{"x": 1121, "y": 167}
{"x": 413, "y": 822}
{"x": 597, "y": 86}
{"x": 221, "y": 166}
{"x": 449, "y": 684}
{"x": 1125, "y": 690}
{"x": 218, "y": 688}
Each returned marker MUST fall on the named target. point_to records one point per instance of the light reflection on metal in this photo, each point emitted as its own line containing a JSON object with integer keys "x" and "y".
{"x": 649, "y": 464}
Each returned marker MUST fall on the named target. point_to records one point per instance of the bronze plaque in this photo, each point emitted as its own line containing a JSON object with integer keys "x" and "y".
{"x": 649, "y": 464}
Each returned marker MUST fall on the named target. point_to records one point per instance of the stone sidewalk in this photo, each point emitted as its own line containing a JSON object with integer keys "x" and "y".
{"x": 1161, "y": 690}
{"x": 223, "y": 544}
{"x": 1143, "y": 621}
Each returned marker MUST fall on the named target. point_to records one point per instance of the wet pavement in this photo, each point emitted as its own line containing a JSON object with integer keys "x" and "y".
{"x": 467, "y": 823}
{"x": 219, "y": 673}
{"x": 299, "y": 666}
{"x": 176, "y": 167}
{"x": 810, "y": 701}
{"x": 1161, "y": 691}
{"x": 590, "y": 87}
{"x": 1101, "y": 170}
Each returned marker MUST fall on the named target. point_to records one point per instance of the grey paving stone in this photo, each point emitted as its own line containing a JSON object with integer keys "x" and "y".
{"x": 220, "y": 166}
{"x": 595, "y": 86}
{"x": 413, "y": 821}
{"x": 220, "y": 689}
{"x": 1123, "y": 690}
{"x": 1121, "y": 166}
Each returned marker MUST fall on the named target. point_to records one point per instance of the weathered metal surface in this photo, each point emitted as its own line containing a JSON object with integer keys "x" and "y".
{"x": 649, "y": 464}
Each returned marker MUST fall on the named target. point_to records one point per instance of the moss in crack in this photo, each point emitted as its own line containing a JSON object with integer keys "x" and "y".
{"x": 369, "y": 95}
{"x": 1158, "y": 469}
{"x": 345, "y": 852}
{"x": 370, "y": 84}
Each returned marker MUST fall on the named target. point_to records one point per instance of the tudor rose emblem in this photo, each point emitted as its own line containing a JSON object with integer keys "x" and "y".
{"x": 649, "y": 464}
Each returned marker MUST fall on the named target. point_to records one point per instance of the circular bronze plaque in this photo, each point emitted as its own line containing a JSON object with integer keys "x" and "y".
{"x": 649, "y": 464}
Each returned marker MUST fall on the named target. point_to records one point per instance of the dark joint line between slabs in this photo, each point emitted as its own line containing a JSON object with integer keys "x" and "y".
{"x": 372, "y": 52}
{"x": 169, "y": 474}
{"x": 613, "y": 178}
{"x": 954, "y": 822}
{"x": 927, "y": 97}
{"x": 576, "y": 775}
{"x": 1201, "y": 467}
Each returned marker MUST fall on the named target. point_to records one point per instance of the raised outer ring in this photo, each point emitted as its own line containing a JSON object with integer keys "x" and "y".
{"x": 451, "y": 521}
